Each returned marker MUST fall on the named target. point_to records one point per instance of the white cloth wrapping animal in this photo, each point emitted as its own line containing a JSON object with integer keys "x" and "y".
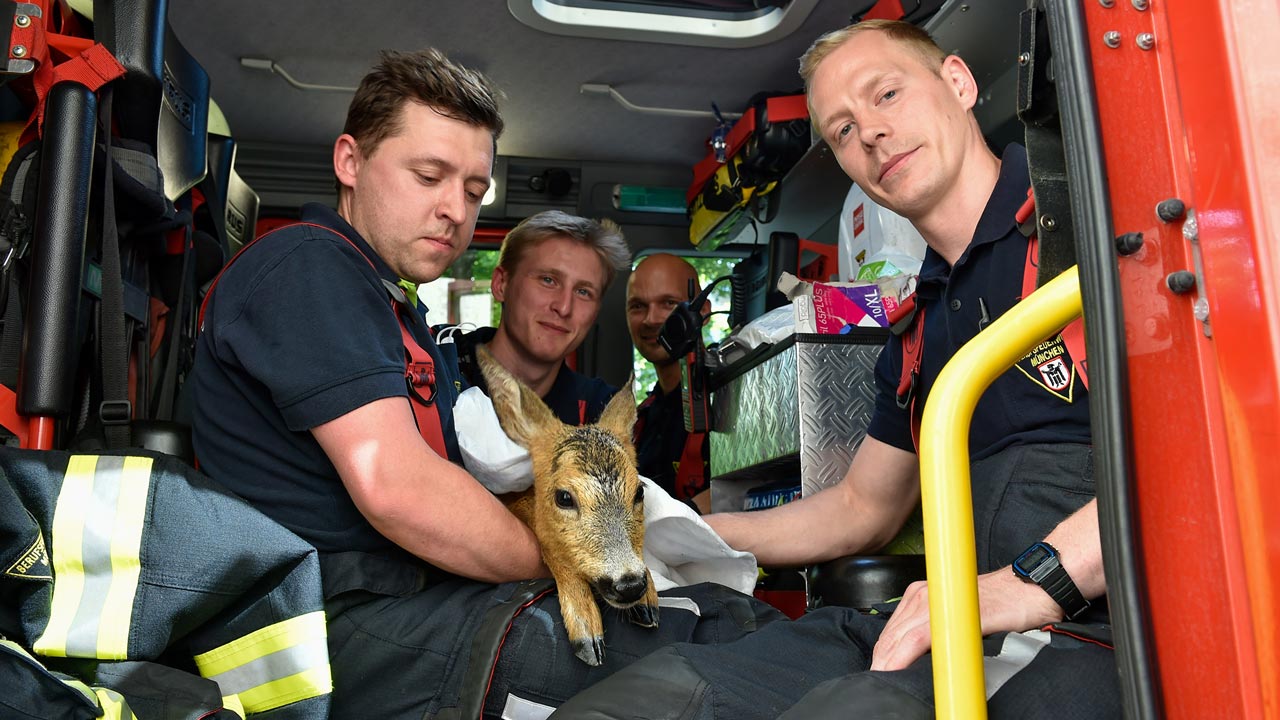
{"x": 679, "y": 548}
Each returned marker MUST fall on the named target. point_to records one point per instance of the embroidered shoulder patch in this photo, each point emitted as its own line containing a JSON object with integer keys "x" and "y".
{"x": 32, "y": 564}
{"x": 1049, "y": 366}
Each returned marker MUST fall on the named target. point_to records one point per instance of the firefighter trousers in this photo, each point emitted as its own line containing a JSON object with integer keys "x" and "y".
{"x": 462, "y": 649}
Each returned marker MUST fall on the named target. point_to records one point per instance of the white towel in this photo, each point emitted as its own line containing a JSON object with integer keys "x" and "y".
{"x": 679, "y": 547}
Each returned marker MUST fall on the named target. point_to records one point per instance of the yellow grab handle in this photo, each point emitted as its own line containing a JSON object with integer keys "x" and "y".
{"x": 945, "y": 494}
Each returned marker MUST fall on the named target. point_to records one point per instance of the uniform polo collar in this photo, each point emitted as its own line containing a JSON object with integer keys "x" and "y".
{"x": 997, "y": 219}
{"x": 328, "y": 217}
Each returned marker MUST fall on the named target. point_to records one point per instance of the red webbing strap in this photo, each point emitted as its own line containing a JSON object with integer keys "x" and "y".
{"x": 9, "y": 417}
{"x": 907, "y": 322}
{"x": 908, "y": 392}
{"x": 419, "y": 370}
{"x": 582, "y": 412}
{"x": 690, "y": 473}
{"x": 420, "y": 373}
{"x": 92, "y": 67}
{"x": 1072, "y": 334}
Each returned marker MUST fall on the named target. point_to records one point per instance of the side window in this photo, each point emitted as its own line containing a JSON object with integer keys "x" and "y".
{"x": 461, "y": 296}
{"x": 709, "y": 268}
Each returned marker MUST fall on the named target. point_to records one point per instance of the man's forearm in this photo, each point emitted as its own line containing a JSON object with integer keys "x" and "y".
{"x": 1009, "y": 604}
{"x": 1079, "y": 543}
{"x": 859, "y": 514}
{"x": 462, "y": 528}
{"x": 421, "y": 501}
{"x": 810, "y": 530}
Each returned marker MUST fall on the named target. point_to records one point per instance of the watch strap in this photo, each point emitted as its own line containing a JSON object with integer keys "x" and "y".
{"x": 1064, "y": 592}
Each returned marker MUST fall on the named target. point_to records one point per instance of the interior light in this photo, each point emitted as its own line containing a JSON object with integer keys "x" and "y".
{"x": 491, "y": 194}
{"x": 705, "y": 26}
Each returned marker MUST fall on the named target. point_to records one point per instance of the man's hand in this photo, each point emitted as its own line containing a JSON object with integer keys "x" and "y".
{"x": 1005, "y": 604}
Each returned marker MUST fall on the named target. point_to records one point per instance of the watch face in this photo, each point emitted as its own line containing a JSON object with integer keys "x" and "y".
{"x": 1032, "y": 558}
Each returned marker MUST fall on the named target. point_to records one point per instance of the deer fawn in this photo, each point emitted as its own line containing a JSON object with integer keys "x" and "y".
{"x": 586, "y": 506}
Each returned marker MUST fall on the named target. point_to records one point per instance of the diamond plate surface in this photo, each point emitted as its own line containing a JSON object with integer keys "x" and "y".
{"x": 837, "y": 394}
{"x": 756, "y": 416}
{"x": 812, "y": 401}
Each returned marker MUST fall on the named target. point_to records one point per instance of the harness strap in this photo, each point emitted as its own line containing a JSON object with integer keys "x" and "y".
{"x": 420, "y": 375}
{"x": 1073, "y": 333}
{"x": 419, "y": 368}
{"x": 92, "y": 66}
{"x": 689, "y": 475}
{"x": 907, "y": 322}
{"x": 690, "y": 472}
{"x": 912, "y": 355}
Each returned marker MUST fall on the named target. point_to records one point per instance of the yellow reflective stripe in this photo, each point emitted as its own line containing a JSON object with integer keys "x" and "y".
{"x": 113, "y": 705}
{"x": 262, "y": 642}
{"x": 97, "y": 538}
{"x": 126, "y": 565}
{"x": 273, "y": 666}
{"x": 81, "y": 688}
{"x": 307, "y": 684}
{"x": 68, "y": 567}
{"x": 232, "y": 703}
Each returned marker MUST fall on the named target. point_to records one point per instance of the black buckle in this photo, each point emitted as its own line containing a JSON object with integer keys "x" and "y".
{"x": 904, "y": 398}
{"x": 418, "y": 376}
{"x": 115, "y": 412}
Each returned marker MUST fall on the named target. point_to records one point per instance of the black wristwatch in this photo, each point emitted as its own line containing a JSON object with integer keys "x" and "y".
{"x": 1040, "y": 564}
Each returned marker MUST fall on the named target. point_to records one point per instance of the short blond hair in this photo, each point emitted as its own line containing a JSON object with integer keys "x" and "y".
{"x": 603, "y": 236}
{"x": 910, "y": 35}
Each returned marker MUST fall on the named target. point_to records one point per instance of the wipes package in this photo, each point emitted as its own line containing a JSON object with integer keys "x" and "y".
{"x": 834, "y": 308}
{"x": 840, "y": 307}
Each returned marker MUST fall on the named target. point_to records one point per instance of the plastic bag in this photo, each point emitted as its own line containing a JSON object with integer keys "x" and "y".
{"x": 875, "y": 242}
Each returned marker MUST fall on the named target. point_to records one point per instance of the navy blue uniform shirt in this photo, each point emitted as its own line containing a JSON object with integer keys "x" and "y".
{"x": 661, "y": 441}
{"x": 300, "y": 331}
{"x": 574, "y": 398}
{"x": 1041, "y": 399}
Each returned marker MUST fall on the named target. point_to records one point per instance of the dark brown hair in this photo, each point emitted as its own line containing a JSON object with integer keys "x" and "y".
{"x": 426, "y": 77}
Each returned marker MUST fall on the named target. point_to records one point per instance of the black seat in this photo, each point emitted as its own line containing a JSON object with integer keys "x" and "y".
{"x": 862, "y": 581}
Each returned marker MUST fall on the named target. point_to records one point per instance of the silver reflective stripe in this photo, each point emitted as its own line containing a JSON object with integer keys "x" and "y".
{"x": 520, "y": 709}
{"x": 1017, "y": 652}
{"x": 680, "y": 603}
{"x": 113, "y": 704}
{"x": 279, "y": 664}
{"x": 95, "y": 553}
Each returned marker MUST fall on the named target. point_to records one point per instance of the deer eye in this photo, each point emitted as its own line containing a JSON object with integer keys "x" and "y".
{"x": 564, "y": 500}
{"x": 640, "y": 494}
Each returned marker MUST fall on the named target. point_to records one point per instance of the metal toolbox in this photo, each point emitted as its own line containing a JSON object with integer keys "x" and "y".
{"x": 806, "y": 400}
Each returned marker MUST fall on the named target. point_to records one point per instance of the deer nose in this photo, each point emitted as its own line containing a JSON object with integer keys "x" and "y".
{"x": 626, "y": 589}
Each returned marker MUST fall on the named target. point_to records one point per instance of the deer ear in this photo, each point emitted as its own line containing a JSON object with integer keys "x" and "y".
{"x": 619, "y": 416}
{"x": 521, "y": 413}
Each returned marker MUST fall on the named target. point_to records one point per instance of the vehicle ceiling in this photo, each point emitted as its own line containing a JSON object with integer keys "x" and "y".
{"x": 285, "y": 135}
{"x": 334, "y": 43}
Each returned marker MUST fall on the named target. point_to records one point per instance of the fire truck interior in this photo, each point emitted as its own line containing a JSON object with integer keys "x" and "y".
{"x": 219, "y": 118}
